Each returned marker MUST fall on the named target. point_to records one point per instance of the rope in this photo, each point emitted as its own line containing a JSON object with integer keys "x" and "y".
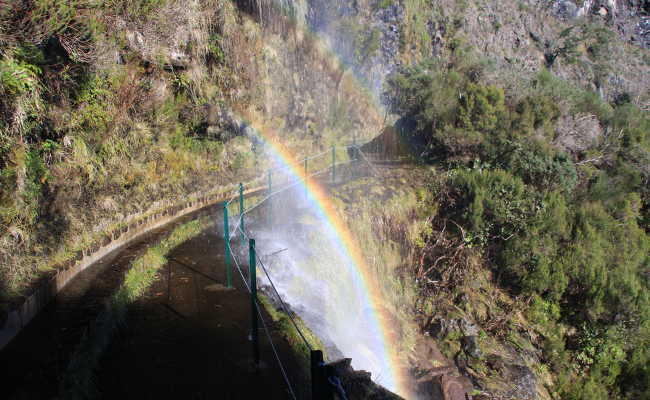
{"x": 338, "y": 386}
{"x": 315, "y": 156}
{"x": 374, "y": 170}
{"x": 232, "y": 253}
{"x": 231, "y": 200}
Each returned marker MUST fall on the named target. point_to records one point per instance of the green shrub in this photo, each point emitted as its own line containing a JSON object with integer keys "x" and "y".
{"x": 536, "y": 112}
{"x": 215, "y": 51}
{"x": 542, "y": 167}
{"x": 18, "y": 77}
{"x": 134, "y": 9}
{"x": 492, "y": 203}
{"x": 482, "y": 108}
{"x": 634, "y": 125}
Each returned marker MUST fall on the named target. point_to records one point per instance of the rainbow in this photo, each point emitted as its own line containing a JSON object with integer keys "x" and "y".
{"x": 397, "y": 381}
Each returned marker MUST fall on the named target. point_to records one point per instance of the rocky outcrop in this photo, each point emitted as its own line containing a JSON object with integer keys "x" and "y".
{"x": 358, "y": 385}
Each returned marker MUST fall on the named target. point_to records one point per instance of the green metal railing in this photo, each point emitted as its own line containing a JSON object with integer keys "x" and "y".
{"x": 321, "y": 387}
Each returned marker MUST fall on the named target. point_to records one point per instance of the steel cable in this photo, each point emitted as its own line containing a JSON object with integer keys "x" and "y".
{"x": 284, "y": 306}
{"x": 266, "y": 330}
{"x": 275, "y": 352}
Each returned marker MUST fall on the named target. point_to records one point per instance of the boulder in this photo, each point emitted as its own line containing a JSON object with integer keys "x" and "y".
{"x": 452, "y": 389}
{"x": 471, "y": 347}
{"x": 565, "y": 9}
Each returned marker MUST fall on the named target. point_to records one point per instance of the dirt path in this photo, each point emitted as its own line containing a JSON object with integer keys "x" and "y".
{"x": 188, "y": 337}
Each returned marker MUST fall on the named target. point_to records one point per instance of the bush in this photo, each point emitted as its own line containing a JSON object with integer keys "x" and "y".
{"x": 578, "y": 248}
{"x": 482, "y": 109}
{"x": 534, "y": 113}
{"x": 492, "y": 203}
{"x": 542, "y": 167}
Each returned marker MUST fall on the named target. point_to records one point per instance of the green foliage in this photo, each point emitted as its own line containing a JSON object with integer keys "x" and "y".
{"x": 383, "y": 4}
{"x": 35, "y": 177}
{"x": 634, "y": 125}
{"x": 534, "y": 113}
{"x": 135, "y": 9}
{"x": 370, "y": 45}
{"x": 542, "y": 167}
{"x": 18, "y": 77}
{"x": 481, "y": 108}
{"x": 215, "y": 50}
{"x": 493, "y": 203}
{"x": 575, "y": 243}
{"x": 92, "y": 102}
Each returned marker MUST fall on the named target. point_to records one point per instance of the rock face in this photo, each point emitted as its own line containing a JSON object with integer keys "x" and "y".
{"x": 357, "y": 385}
{"x": 372, "y": 52}
{"x": 452, "y": 389}
{"x": 630, "y": 18}
{"x": 566, "y": 9}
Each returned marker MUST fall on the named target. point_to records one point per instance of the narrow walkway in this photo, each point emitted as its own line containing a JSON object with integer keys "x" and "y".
{"x": 188, "y": 337}
{"x": 34, "y": 362}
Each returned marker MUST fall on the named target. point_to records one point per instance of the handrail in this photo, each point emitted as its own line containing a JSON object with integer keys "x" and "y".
{"x": 240, "y": 229}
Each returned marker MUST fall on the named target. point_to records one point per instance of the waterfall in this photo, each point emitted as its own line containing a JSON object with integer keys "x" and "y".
{"x": 320, "y": 283}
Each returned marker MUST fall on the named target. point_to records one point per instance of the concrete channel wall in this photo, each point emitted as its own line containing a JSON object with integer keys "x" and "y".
{"x": 18, "y": 317}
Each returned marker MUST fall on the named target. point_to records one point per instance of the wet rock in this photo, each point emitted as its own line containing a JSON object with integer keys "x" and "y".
{"x": 358, "y": 384}
{"x": 249, "y": 132}
{"x": 471, "y": 347}
{"x": 603, "y": 11}
{"x": 524, "y": 383}
{"x": 565, "y": 9}
{"x": 468, "y": 328}
{"x": 440, "y": 327}
{"x": 230, "y": 122}
{"x": 451, "y": 388}
{"x": 436, "y": 329}
{"x": 177, "y": 60}
{"x": 643, "y": 31}
{"x": 521, "y": 381}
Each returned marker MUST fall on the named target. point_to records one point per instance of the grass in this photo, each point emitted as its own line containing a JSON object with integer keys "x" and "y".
{"x": 79, "y": 379}
{"x": 290, "y": 333}
{"x": 415, "y": 29}
{"x": 124, "y": 140}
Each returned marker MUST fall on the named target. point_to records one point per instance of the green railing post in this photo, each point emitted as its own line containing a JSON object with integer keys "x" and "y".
{"x": 320, "y": 387}
{"x": 269, "y": 214}
{"x": 333, "y": 164}
{"x": 252, "y": 272}
{"x": 241, "y": 211}
{"x": 226, "y": 237}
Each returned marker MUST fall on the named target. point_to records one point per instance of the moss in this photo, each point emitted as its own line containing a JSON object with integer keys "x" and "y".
{"x": 291, "y": 334}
